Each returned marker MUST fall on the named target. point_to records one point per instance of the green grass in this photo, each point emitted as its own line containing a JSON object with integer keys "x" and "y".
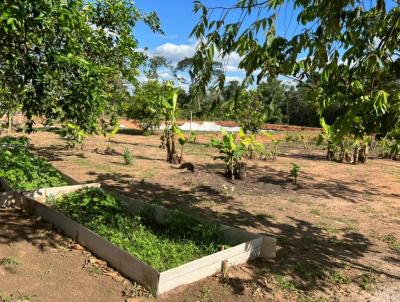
{"x": 393, "y": 242}
{"x": 6, "y": 261}
{"x": 24, "y": 171}
{"x": 315, "y": 211}
{"x": 284, "y": 284}
{"x": 179, "y": 240}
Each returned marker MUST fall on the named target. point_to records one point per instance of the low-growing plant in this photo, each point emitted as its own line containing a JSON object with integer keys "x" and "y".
{"x": 14, "y": 142}
{"x": 177, "y": 241}
{"x": 230, "y": 152}
{"x": 24, "y": 172}
{"x": 73, "y": 134}
{"x": 10, "y": 261}
{"x": 128, "y": 156}
{"x": 294, "y": 172}
{"x": 393, "y": 242}
{"x": 366, "y": 281}
{"x": 250, "y": 144}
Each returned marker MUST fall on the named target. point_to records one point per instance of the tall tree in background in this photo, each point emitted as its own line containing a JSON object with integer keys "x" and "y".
{"x": 351, "y": 44}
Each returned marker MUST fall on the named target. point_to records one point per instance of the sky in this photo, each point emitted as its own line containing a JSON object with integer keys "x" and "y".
{"x": 177, "y": 21}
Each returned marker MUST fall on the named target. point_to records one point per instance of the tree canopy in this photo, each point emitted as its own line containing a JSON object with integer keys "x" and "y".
{"x": 64, "y": 58}
{"x": 347, "y": 52}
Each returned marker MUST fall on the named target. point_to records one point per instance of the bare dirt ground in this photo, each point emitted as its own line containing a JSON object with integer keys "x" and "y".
{"x": 338, "y": 229}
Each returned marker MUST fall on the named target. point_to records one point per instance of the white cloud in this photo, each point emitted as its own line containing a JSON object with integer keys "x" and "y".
{"x": 175, "y": 52}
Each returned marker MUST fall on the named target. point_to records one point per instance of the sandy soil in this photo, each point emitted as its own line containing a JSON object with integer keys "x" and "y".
{"x": 337, "y": 229}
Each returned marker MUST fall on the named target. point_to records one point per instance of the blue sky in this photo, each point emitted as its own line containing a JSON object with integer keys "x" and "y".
{"x": 178, "y": 20}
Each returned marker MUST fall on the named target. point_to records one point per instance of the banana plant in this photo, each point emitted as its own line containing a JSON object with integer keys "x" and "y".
{"x": 230, "y": 152}
{"x": 172, "y": 134}
{"x": 250, "y": 144}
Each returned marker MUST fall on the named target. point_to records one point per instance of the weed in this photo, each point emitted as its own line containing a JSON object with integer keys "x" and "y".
{"x": 10, "y": 261}
{"x": 366, "y": 281}
{"x": 393, "y": 242}
{"x": 128, "y": 156}
{"x": 336, "y": 277}
{"x": 315, "y": 211}
{"x": 294, "y": 172}
{"x": 309, "y": 270}
{"x": 95, "y": 271}
{"x": 205, "y": 294}
{"x": 284, "y": 283}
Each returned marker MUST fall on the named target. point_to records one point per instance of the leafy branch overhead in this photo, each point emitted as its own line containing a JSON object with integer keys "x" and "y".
{"x": 346, "y": 51}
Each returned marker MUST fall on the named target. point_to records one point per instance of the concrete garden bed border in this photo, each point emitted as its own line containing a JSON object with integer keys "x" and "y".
{"x": 251, "y": 246}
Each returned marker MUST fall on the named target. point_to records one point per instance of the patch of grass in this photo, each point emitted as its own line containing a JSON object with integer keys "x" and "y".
{"x": 88, "y": 164}
{"x": 393, "y": 242}
{"x": 308, "y": 270}
{"x": 366, "y": 281}
{"x": 95, "y": 271}
{"x": 284, "y": 284}
{"x": 336, "y": 277}
{"x": 17, "y": 298}
{"x": 315, "y": 211}
{"x": 179, "y": 240}
{"x": 10, "y": 261}
{"x": 205, "y": 294}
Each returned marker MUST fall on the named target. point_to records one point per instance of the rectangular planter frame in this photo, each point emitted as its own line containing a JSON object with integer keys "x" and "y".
{"x": 252, "y": 246}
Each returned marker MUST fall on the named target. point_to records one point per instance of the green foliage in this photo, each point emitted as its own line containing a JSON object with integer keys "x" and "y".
{"x": 146, "y": 106}
{"x": 14, "y": 142}
{"x": 389, "y": 148}
{"x": 294, "y": 172}
{"x": 250, "y": 144}
{"x": 349, "y": 50}
{"x": 73, "y": 134}
{"x": 230, "y": 152}
{"x": 128, "y": 156}
{"x": 171, "y": 132}
{"x": 393, "y": 242}
{"x": 70, "y": 60}
{"x": 10, "y": 261}
{"x": 249, "y": 110}
{"x": 180, "y": 240}
{"x": 24, "y": 172}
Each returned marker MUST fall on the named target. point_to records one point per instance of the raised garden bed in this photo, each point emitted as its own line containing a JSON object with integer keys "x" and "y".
{"x": 240, "y": 245}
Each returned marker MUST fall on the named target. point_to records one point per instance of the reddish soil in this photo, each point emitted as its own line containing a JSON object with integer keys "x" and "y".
{"x": 338, "y": 228}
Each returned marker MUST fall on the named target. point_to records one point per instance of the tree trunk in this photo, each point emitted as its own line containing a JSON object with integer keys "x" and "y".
{"x": 356, "y": 154}
{"x": 9, "y": 118}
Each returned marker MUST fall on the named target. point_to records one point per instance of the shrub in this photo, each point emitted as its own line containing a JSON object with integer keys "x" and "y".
{"x": 128, "y": 156}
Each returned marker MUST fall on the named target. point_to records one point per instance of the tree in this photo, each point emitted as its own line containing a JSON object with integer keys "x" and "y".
{"x": 153, "y": 65}
{"x": 145, "y": 104}
{"x": 57, "y": 57}
{"x": 274, "y": 98}
{"x": 249, "y": 110}
{"x": 352, "y": 45}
